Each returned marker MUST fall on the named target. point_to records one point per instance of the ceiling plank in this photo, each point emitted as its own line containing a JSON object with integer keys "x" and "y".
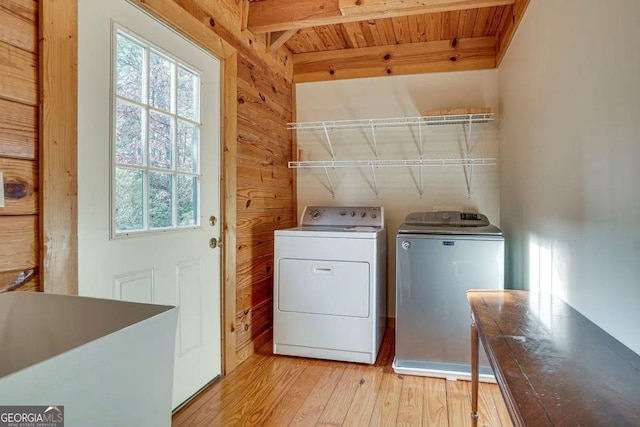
{"x": 434, "y": 27}
{"x": 279, "y": 38}
{"x": 386, "y": 28}
{"x": 413, "y": 58}
{"x": 280, "y": 15}
{"x": 483, "y": 21}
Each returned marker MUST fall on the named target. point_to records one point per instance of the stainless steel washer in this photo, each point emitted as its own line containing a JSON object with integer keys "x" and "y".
{"x": 439, "y": 256}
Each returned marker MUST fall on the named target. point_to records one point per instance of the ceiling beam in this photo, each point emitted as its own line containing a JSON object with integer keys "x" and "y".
{"x": 279, "y": 38}
{"x": 390, "y": 8}
{"x": 412, "y": 58}
{"x": 280, "y": 15}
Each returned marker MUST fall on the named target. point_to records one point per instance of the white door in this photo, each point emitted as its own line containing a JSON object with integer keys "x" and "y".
{"x": 148, "y": 177}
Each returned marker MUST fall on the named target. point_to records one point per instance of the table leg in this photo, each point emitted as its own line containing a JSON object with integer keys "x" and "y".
{"x": 475, "y": 374}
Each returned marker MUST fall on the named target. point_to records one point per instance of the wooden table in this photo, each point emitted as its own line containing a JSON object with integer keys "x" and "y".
{"x": 553, "y": 365}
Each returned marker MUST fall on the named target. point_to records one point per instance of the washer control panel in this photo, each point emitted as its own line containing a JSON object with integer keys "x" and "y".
{"x": 343, "y": 216}
{"x": 447, "y": 218}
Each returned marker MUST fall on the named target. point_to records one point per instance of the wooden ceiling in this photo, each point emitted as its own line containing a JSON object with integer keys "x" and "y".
{"x": 337, "y": 39}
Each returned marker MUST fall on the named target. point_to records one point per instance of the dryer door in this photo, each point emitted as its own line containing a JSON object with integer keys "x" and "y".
{"x": 336, "y": 288}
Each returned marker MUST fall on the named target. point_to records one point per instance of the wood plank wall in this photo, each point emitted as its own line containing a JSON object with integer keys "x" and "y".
{"x": 265, "y": 199}
{"x": 19, "y": 233}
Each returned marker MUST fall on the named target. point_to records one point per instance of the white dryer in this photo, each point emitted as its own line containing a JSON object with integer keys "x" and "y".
{"x": 330, "y": 285}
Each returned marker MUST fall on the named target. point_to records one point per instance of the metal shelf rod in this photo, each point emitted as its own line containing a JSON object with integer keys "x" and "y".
{"x": 326, "y": 134}
{"x": 331, "y": 189}
{"x": 375, "y": 182}
{"x": 421, "y": 148}
{"x": 375, "y": 141}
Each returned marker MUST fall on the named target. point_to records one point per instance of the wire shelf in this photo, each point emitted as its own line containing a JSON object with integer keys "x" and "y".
{"x": 393, "y": 122}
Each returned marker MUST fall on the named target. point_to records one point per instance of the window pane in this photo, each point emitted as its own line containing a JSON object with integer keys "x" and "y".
{"x": 129, "y": 68}
{"x": 187, "y": 200}
{"x": 159, "y": 82}
{"x": 187, "y": 94}
{"x": 129, "y": 200}
{"x": 160, "y": 134}
{"x": 187, "y": 147}
{"x": 160, "y": 200}
{"x": 129, "y": 145}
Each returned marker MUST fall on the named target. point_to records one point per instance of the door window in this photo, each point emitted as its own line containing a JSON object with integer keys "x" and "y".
{"x": 155, "y": 139}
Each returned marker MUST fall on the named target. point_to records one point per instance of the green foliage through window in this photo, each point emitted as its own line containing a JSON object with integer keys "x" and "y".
{"x": 156, "y": 136}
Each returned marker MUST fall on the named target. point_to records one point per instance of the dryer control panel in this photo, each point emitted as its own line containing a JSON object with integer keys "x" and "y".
{"x": 343, "y": 216}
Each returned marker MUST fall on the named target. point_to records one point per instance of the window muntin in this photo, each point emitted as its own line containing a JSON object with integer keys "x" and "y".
{"x": 156, "y": 139}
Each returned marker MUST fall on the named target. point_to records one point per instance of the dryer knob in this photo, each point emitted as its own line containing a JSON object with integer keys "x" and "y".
{"x": 315, "y": 214}
{"x": 406, "y": 245}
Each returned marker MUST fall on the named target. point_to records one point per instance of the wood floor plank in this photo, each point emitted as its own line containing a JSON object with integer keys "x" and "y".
{"x": 254, "y": 395}
{"x": 459, "y": 403}
{"x": 314, "y": 405}
{"x": 435, "y": 403}
{"x": 361, "y": 409}
{"x": 487, "y": 409}
{"x": 269, "y": 390}
{"x": 228, "y": 404}
{"x": 236, "y": 381}
{"x": 501, "y": 407}
{"x": 257, "y": 414}
{"x": 338, "y": 405}
{"x": 385, "y": 409}
{"x": 286, "y": 409}
{"x": 411, "y": 402}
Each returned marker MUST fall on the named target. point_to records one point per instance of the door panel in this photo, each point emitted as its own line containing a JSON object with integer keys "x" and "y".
{"x": 175, "y": 267}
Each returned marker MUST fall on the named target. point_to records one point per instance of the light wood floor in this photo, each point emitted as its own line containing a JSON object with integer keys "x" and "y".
{"x": 269, "y": 390}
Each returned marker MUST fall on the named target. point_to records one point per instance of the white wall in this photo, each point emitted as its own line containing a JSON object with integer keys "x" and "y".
{"x": 400, "y": 96}
{"x": 570, "y": 147}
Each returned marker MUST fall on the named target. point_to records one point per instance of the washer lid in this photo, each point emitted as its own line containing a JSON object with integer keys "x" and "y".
{"x": 489, "y": 230}
{"x": 448, "y": 222}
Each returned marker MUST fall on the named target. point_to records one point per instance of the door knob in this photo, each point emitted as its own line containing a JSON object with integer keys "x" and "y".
{"x": 215, "y": 243}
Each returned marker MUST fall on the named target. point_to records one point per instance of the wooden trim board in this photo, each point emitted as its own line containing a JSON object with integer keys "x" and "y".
{"x": 504, "y": 36}
{"x": 58, "y": 146}
{"x": 229, "y": 174}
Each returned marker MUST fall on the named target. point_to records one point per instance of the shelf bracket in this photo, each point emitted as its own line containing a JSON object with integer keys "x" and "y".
{"x": 421, "y": 189}
{"x": 421, "y": 152}
{"x": 326, "y": 134}
{"x": 331, "y": 189}
{"x": 468, "y": 169}
{"x": 375, "y": 141}
{"x": 375, "y": 182}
